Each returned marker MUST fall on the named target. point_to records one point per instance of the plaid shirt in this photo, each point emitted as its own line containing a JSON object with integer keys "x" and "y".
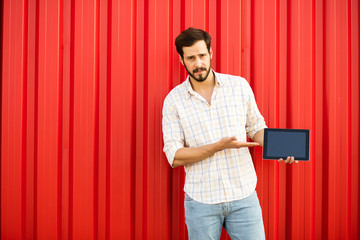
{"x": 189, "y": 121}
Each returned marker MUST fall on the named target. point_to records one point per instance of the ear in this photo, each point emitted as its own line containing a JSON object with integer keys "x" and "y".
{"x": 211, "y": 53}
{"x": 181, "y": 59}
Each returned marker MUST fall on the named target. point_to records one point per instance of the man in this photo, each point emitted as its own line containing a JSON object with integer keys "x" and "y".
{"x": 205, "y": 123}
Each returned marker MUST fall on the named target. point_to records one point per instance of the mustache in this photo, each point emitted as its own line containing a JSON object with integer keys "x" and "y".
{"x": 199, "y": 69}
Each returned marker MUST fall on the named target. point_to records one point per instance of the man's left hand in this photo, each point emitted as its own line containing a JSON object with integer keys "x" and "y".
{"x": 289, "y": 160}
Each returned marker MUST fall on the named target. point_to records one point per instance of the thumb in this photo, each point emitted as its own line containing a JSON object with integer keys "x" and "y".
{"x": 233, "y": 138}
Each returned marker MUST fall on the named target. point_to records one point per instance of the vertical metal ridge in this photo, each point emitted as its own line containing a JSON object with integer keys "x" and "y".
{"x": 96, "y": 122}
{"x": 133, "y": 116}
{"x": 313, "y": 120}
{"x": 207, "y": 13}
{"x": 325, "y": 129}
{"x": 358, "y": 133}
{"x": 218, "y": 34}
{"x": 242, "y": 45}
{"x": 317, "y": 133}
{"x": 334, "y": 92}
{"x": 1, "y": 106}
{"x": 171, "y": 44}
{"x": 139, "y": 191}
{"x": 288, "y": 63}
{"x": 349, "y": 132}
{"x": 358, "y": 103}
{"x": 252, "y": 48}
{"x": 277, "y": 64}
{"x": 4, "y": 107}
{"x": 299, "y": 53}
{"x": 71, "y": 127}
{"x": 60, "y": 118}
{"x": 36, "y": 117}
{"x": 65, "y": 30}
{"x": 24, "y": 117}
{"x": 146, "y": 118}
{"x": 108, "y": 121}
{"x": 182, "y": 15}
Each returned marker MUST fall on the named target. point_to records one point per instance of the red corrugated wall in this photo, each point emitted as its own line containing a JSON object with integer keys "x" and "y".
{"x": 82, "y": 89}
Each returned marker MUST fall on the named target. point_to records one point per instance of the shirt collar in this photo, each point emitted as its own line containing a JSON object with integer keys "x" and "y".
{"x": 218, "y": 82}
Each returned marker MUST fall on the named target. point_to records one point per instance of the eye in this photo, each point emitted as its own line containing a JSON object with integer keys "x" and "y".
{"x": 191, "y": 58}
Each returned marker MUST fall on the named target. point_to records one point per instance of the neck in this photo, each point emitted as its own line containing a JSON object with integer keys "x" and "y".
{"x": 208, "y": 84}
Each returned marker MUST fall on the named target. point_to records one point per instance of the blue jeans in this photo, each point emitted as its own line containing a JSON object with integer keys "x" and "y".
{"x": 242, "y": 219}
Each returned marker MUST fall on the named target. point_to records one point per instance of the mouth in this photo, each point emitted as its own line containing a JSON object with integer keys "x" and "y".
{"x": 199, "y": 71}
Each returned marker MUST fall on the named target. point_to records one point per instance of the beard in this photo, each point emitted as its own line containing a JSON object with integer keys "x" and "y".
{"x": 200, "y": 78}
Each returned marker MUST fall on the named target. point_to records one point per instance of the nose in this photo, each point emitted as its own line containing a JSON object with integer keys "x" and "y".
{"x": 198, "y": 63}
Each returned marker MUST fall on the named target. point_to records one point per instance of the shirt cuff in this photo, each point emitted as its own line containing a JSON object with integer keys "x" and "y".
{"x": 171, "y": 150}
{"x": 257, "y": 128}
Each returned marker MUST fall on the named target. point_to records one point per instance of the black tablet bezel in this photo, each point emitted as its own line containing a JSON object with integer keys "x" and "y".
{"x": 307, "y": 149}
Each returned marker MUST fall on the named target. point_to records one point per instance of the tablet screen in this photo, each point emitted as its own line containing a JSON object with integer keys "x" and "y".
{"x": 281, "y": 143}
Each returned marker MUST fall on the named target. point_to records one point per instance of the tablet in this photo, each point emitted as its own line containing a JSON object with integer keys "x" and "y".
{"x": 281, "y": 143}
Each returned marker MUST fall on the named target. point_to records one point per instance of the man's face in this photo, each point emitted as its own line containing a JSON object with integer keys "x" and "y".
{"x": 197, "y": 60}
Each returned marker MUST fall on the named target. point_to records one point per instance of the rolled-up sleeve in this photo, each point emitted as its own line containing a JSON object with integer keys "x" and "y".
{"x": 254, "y": 120}
{"x": 173, "y": 132}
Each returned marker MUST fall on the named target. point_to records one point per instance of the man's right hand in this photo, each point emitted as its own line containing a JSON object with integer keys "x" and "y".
{"x": 189, "y": 155}
{"x": 232, "y": 142}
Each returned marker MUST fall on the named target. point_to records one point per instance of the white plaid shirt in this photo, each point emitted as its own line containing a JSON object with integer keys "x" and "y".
{"x": 189, "y": 121}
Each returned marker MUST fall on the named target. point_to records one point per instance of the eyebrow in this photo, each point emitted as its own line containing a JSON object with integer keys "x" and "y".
{"x": 196, "y": 54}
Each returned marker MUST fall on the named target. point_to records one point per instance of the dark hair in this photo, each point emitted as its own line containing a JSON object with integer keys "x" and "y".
{"x": 188, "y": 37}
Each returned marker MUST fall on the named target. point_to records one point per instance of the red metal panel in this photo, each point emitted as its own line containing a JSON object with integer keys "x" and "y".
{"x": 318, "y": 134}
{"x": 354, "y": 130}
{"x": 30, "y": 135}
{"x": 104, "y": 127}
{"x": 158, "y": 173}
{"x": 66, "y": 177}
{"x": 49, "y": 121}
{"x": 85, "y": 120}
{"x": 337, "y": 73}
{"x": 13, "y": 122}
{"x": 121, "y": 106}
{"x": 82, "y": 89}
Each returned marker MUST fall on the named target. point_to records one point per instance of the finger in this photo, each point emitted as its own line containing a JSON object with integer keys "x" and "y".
{"x": 280, "y": 160}
{"x": 233, "y": 138}
{"x": 292, "y": 160}
{"x": 245, "y": 144}
{"x": 287, "y": 160}
{"x": 296, "y": 161}
{"x": 252, "y": 144}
